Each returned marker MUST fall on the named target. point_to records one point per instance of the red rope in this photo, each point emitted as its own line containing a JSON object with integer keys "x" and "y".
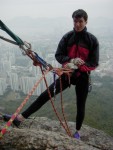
{"x": 69, "y": 132}
{"x": 58, "y": 116}
{"x": 3, "y": 131}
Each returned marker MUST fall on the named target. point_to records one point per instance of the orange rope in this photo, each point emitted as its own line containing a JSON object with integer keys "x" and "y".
{"x": 58, "y": 116}
{"x": 3, "y": 131}
{"x": 53, "y": 103}
{"x": 69, "y": 132}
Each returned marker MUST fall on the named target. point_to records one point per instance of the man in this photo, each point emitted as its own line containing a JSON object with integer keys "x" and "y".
{"x": 77, "y": 50}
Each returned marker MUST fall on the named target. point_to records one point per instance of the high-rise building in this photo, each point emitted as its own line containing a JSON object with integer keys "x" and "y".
{"x": 13, "y": 81}
{"x": 3, "y": 85}
{"x": 27, "y": 83}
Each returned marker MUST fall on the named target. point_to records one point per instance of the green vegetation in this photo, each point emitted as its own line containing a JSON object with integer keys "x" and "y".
{"x": 99, "y": 106}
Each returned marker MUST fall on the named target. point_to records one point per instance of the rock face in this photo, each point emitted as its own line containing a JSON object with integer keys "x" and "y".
{"x": 45, "y": 134}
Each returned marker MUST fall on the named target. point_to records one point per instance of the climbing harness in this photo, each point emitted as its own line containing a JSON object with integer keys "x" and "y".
{"x": 45, "y": 68}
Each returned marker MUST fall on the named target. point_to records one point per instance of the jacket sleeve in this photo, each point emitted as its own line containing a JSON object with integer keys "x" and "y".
{"x": 93, "y": 58}
{"x": 61, "y": 53}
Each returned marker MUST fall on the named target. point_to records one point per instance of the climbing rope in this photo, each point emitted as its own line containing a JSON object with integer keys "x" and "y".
{"x": 8, "y": 124}
{"x": 62, "y": 108}
{"x": 58, "y": 116}
{"x": 59, "y": 71}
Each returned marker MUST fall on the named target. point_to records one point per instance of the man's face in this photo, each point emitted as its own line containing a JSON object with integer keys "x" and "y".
{"x": 79, "y": 24}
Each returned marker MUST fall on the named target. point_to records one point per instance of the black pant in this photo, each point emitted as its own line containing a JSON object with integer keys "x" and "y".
{"x": 81, "y": 89}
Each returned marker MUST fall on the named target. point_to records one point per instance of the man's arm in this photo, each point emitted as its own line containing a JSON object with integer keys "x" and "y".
{"x": 93, "y": 59}
{"x": 61, "y": 53}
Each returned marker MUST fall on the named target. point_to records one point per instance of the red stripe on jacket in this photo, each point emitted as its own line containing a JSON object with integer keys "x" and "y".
{"x": 79, "y": 52}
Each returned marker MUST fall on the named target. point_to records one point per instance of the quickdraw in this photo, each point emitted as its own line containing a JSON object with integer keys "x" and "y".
{"x": 26, "y": 50}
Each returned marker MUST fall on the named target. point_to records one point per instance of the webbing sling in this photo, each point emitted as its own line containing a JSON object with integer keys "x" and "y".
{"x": 15, "y": 37}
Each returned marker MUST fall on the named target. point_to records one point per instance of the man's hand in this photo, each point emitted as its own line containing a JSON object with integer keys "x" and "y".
{"x": 77, "y": 61}
{"x": 70, "y": 66}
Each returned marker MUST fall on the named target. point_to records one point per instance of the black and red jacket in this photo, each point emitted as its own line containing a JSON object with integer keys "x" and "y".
{"x": 79, "y": 44}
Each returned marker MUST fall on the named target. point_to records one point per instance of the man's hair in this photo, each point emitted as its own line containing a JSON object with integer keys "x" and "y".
{"x": 79, "y": 14}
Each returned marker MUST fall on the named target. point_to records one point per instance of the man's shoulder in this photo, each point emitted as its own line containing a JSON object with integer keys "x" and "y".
{"x": 68, "y": 34}
{"x": 92, "y": 36}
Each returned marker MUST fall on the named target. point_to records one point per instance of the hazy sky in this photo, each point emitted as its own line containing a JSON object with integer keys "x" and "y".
{"x": 54, "y": 8}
